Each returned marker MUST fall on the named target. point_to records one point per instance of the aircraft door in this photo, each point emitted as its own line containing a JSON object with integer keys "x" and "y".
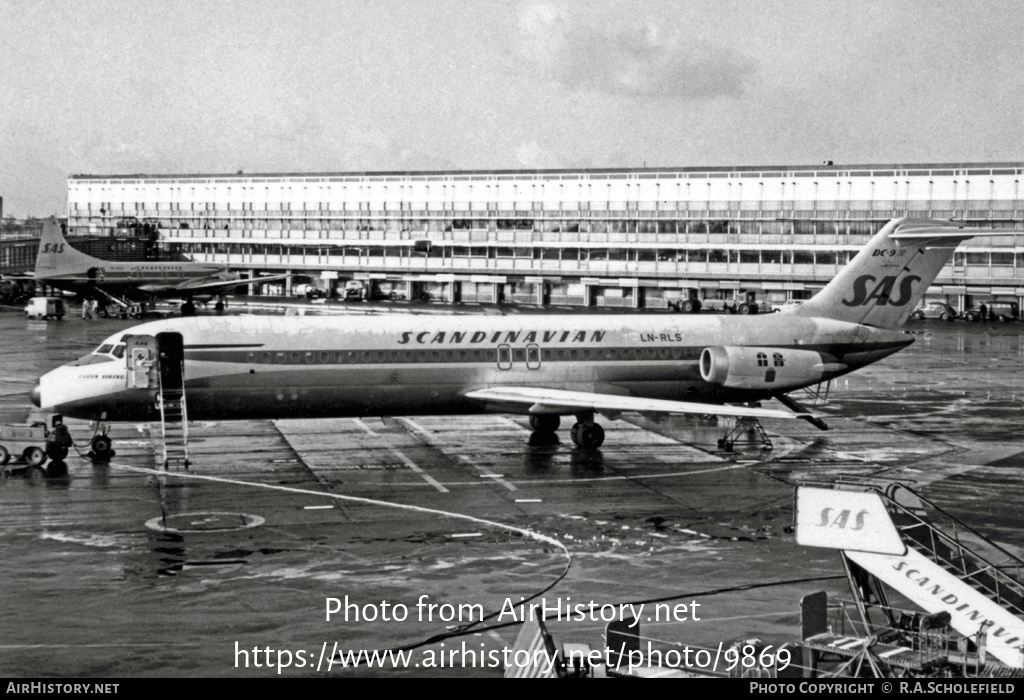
{"x": 504, "y": 356}
{"x": 533, "y": 356}
{"x": 141, "y": 354}
{"x": 171, "y": 354}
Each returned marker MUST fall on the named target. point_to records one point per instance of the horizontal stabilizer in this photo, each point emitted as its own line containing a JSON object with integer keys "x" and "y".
{"x": 944, "y": 234}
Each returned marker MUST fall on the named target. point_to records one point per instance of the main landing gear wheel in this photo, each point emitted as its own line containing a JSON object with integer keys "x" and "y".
{"x": 101, "y": 447}
{"x": 589, "y": 435}
{"x": 188, "y": 309}
{"x": 545, "y": 423}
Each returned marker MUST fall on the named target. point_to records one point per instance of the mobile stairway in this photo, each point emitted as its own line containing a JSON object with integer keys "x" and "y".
{"x": 159, "y": 363}
{"x": 966, "y": 588}
{"x": 173, "y": 424}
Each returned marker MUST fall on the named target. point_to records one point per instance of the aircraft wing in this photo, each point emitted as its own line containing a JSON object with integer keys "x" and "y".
{"x": 207, "y": 287}
{"x": 542, "y": 400}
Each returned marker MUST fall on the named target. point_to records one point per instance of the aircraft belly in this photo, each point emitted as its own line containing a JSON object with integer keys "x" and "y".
{"x": 127, "y": 405}
{"x": 322, "y": 402}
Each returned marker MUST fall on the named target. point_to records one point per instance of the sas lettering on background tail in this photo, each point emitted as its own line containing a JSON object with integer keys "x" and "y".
{"x": 61, "y": 265}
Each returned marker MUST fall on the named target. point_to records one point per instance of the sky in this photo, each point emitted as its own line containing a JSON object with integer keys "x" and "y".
{"x": 108, "y": 87}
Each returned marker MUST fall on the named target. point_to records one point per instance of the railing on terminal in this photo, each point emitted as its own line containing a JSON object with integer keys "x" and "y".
{"x": 21, "y": 231}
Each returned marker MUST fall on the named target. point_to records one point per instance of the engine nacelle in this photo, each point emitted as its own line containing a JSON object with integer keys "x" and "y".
{"x": 763, "y": 368}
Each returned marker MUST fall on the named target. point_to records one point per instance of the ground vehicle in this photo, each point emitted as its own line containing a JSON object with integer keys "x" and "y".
{"x": 310, "y": 291}
{"x": 935, "y": 309}
{"x": 996, "y": 311}
{"x": 34, "y": 443}
{"x": 788, "y": 305}
{"x": 382, "y": 294}
{"x": 354, "y": 291}
{"x": 686, "y": 306}
{"x": 732, "y": 306}
{"x": 45, "y": 307}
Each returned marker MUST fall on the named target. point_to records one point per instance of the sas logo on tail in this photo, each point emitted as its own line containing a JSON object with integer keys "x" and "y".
{"x": 882, "y": 291}
{"x": 53, "y": 247}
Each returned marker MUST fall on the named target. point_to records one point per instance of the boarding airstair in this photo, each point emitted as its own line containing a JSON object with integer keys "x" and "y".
{"x": 173, "y": 424}
{"x": 892, "y": 538}
{"x": 159, "y": 363}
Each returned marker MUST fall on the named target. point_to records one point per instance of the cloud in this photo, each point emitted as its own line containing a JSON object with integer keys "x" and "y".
{"x": 304, "y": 140}
{"x": 531, "y": 155}
{"x": 630, "y": 58}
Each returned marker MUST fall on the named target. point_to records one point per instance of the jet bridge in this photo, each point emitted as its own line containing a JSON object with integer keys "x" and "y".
{"x": 891, "y": 538}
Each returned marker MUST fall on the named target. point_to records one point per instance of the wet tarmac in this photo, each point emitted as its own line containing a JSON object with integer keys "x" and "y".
{"x": 123, "y": 570}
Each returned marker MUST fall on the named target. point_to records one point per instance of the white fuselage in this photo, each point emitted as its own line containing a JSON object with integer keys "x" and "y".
{"x": 303, "y": 366}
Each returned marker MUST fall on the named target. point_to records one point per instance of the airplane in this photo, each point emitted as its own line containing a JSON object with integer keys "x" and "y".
{"x": 60, "y": 265}
{"x": 541, "y": 366}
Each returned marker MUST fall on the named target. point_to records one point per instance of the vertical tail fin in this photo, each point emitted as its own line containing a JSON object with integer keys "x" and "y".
{"x": 56, "y": 256}
{"x": 883, "y": 284}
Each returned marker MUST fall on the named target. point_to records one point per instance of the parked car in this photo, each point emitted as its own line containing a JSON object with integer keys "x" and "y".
{"x": 355, "y": 290}
{"x": 310, "y": 291}
{"x": 387, "y": 295}
{"x": 996, "y": 310}
{"x": 787, "y": 306}
{"x": 935, "y": 309}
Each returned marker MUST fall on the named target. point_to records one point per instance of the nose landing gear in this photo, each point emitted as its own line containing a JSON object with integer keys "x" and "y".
{"x": 101, "y": 448}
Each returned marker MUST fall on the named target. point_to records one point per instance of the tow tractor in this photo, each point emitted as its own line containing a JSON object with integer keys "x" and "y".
{"x": 31, "y": 444}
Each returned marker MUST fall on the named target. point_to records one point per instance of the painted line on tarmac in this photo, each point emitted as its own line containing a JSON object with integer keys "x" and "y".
{"x": 492, "y": 524}
{"x": 426, "y": 436}
{"x": 401, "y": 455}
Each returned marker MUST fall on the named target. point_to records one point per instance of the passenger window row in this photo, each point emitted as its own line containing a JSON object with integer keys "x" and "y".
{"x": 488, "y": 355}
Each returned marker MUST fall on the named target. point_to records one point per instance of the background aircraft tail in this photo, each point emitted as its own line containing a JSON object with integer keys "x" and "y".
{"x": 883, "y": 284}
{"x": 56, "y": 256}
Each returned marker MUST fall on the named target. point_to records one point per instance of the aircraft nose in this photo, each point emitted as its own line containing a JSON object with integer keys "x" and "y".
{"x": 34, "y": 395}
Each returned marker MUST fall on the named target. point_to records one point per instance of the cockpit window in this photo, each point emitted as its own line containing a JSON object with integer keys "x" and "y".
{"x": 111, "y": 350}
{"x": 91, "y": 359}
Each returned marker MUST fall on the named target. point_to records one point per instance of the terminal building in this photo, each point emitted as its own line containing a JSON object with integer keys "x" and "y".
{"x": 634, "y": 238}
